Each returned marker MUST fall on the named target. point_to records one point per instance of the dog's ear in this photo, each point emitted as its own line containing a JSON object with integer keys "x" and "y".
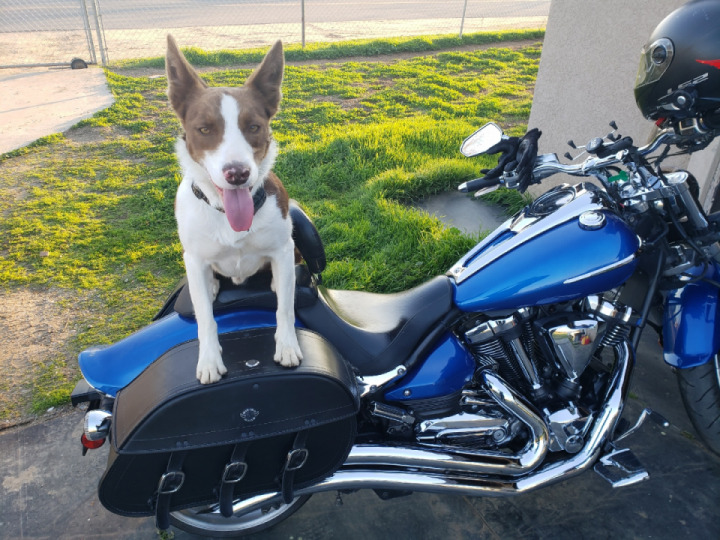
{"x": 183, "y": 80}
{"x": 267, "y": 78}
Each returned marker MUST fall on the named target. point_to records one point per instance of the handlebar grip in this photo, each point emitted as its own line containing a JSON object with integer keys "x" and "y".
{"x": 477, "y": 184}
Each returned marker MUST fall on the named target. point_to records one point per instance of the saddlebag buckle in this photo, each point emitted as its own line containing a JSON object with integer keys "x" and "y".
{"x": 296, "y": 458}
{"x": 234, "y": 472}
{"x": 171, "y": 482}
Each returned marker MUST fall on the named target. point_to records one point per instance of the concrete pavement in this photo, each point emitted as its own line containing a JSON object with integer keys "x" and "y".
{"x": 38, "y": 102}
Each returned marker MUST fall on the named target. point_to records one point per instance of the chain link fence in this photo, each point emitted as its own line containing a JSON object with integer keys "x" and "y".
{"x": 48, "y": 32}
{"x": 55, "y": 31}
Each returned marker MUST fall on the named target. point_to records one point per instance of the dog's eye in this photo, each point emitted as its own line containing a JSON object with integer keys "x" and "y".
{"x": 204, "y": 130}
{"x": 254, "y": 128}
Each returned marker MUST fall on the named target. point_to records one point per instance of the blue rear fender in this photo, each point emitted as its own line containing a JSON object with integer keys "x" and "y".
{"x": 110, "y": 368}
{"x": 690, "y": 331}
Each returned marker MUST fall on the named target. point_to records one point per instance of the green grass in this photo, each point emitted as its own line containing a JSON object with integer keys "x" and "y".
{"x": 338, "y": 50}
{"x": 91, "y": 211}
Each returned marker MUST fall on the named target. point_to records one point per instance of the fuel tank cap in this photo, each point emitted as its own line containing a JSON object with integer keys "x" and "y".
{"x": 550, "y": 201}
{"x": 591, "y": 220}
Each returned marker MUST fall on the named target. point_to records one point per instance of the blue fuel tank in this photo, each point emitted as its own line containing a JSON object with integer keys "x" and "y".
{"x": 566, "y": 245}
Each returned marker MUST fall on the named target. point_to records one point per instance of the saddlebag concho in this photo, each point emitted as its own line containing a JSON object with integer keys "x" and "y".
{"x": 178, "y": 444}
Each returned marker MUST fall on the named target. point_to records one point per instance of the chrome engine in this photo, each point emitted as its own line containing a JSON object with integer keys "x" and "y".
{"x": 550, "y": 358}
{"x": 468, "y": 430}
{"x": 553, "y": 355}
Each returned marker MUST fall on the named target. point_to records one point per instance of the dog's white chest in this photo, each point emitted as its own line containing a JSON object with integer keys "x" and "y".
{"x": 204, "y": 232}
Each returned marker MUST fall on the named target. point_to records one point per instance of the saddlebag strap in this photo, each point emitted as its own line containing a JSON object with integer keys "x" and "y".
{"x": 234, "y": 472}
{"x": 296, "y": 458}
{"x": 170, "y": 483}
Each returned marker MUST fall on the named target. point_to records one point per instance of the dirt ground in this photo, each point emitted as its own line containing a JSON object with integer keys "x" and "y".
{"x": 36, "y": 328}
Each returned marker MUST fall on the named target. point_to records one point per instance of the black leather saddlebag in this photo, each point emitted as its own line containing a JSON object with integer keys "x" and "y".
{"x": 177, "y": 443}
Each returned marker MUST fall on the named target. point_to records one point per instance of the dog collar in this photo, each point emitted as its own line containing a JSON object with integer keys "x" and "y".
{"x": 258, "y": 198}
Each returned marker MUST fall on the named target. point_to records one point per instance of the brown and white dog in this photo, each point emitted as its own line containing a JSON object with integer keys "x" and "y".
{"x": 231, "y": 209}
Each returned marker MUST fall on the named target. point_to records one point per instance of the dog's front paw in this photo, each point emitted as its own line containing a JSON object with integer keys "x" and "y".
{"x": 210, "y": 367}
{"x": 288, "y": 354}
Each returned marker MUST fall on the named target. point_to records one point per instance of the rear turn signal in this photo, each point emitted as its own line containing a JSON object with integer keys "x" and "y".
{"x": 90, "y": 445}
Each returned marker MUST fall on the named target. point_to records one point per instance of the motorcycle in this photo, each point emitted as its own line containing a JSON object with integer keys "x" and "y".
{"x": 505, "y": 375}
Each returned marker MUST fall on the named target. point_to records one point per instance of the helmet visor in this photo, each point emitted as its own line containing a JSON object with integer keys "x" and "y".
{"x": 654, "y": 61}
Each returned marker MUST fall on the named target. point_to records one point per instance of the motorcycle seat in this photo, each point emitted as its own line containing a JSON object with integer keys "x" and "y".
{"x": 254, "y": 293}
{"x": 378, "y": 332}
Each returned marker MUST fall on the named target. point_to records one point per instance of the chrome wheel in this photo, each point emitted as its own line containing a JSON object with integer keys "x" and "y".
{"x": 208, "y": 521}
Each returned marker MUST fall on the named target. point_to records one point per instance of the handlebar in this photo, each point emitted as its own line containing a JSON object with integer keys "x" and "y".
{"x": 603, "y": 156}
{"x": 634, "y": 192}
{"x": 548, "y": 164}
{"x": 478, "y": 184}
{"x": 688, "y": 135}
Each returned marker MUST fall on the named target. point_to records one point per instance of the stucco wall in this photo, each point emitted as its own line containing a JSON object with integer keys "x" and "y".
{"x": 587, "y": 73}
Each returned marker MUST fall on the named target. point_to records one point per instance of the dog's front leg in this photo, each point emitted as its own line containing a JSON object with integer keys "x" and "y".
{"x": 287, "y": 349}
{"x": 210, "y": 367}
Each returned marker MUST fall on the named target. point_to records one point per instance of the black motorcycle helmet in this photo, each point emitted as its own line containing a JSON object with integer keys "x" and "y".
{"x": 679, "y": 73}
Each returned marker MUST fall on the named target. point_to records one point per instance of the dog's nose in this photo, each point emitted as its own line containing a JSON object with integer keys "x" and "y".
{"x": 236, "y": 173}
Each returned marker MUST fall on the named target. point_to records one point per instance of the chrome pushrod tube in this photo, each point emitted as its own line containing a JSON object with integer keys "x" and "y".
{"x": 458, "y": 484}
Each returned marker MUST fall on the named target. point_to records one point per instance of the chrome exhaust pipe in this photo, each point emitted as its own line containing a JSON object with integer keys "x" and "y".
{"x": 450, "y": 479}
{"x": 476, "y": 462}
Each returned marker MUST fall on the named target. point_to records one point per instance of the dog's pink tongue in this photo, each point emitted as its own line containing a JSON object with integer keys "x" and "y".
{"x": 239, "y": 208}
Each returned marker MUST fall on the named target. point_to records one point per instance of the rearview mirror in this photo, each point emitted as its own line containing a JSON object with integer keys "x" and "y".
{"x": 482, "y": 140}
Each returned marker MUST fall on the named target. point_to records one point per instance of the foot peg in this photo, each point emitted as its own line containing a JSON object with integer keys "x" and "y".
{"x": 621, "y": 468}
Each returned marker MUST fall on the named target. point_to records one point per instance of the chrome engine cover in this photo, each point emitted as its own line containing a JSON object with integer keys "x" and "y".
{"x": 464, "y": 429}
{"x": 574, "y": 343}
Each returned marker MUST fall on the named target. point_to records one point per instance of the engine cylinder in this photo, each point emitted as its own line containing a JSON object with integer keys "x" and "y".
{"x": 501, "y": 345}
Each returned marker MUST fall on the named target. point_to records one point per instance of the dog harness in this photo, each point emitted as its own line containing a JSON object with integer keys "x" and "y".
{"x": 258, "y": 199}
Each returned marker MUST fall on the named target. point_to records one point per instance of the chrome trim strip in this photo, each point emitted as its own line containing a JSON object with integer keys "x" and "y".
{"x": 608, "y": 268}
